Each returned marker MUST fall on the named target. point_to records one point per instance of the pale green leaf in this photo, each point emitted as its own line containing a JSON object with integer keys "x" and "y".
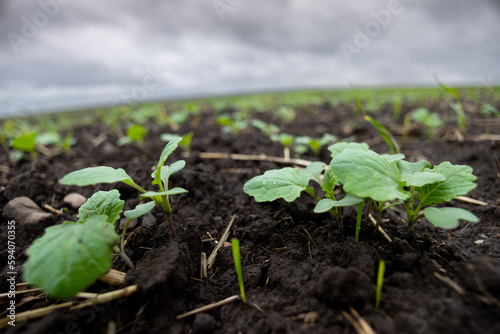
{"x": 406, "y": 168}
{"x": 393, "y": 157}
{"x": 102, "y": 203}
{"x": 326, "y": 204}
{"x": 420, "y": 179}
{"x": 448, "y": 217}
{"x": 167, "y": 171}
{"x": 330, "y": 180}
{"x": 93, "y": 175}
{"x": 70, "y": 257}
{"x": 286, "y": 183}
{"x": 140, "y": 210}
{"x": 367, "y": 174}
{"x": 314, "y": 170}
{"x": 169, "y": 148}
{"x": 458, "y": 181}
{"x": 170, "y": 192}
{"x": 338, "y": 148}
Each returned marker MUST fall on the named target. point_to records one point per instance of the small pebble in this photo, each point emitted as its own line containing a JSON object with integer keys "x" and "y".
{"x": 479, "y": 242}
{"x": 74, "y": 200}
{"x": 25, "y": 211}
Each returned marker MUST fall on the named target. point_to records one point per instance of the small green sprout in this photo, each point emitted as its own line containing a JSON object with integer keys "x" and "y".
{"x": 185, "y": 143}
{"x": 232, "y": 125}
{"x": 429, "y": 120}
{"x": 235, "y": 244}
{"x": 267, "y": 129}
{"x": 135, "y": 134}
{"x": 304, "y": 143}
{"x": 380, "y": 283}
{"x": 161, "y": 175}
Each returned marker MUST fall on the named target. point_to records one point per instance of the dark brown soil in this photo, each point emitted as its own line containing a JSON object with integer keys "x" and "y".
{"x": 436, "y": 281}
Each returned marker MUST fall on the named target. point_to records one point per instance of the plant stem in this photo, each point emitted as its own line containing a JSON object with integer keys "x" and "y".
{"x": 358, "y": 220}
{"x": 368, "y": 208}
{"x": 380, "y": 283}
{"x": 121, "y": 253}
{"x": 380, "y": 208}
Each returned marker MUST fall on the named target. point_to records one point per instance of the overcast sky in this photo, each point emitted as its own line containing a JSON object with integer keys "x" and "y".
{"x": 57, "y": 54}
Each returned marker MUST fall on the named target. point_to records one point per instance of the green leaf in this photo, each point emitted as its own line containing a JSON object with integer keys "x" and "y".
{"x": 48, "y": 138}
{"x": 70, "y": 257}
{"x": 314, "y": 170}
{"x": 338, "y": 148}
{"x": 173, "y": 191}
{"x": 330, "y": 180}
{"x": 102, "y": 203}
{"x": 167, "y": 171}
{"x": 326, "y": 204}
{"x": 25, "y": 143}
{"x": 448, "y": 217}
{"x": 169, "y": 148}
{"x": 420, "y": 179}
{"x": 93, "y": 175}
{"x": 458, "y": 181}
{"x": 407, "y": 168}
{"x": 137, "y": 132}
{"x": 367, "y": 174}
{"x": 286, "y": 183}
{"x": 139, "y": 210}
{"x": 385, "y": 134}
{"x": 393, "y": 157}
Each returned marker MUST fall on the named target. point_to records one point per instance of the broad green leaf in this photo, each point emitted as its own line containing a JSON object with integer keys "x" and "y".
{"x": 406, "y": 168}
{"x": 167, "y": 171}
{"x": 338, "y": 148}
{"x": 101, "y": 174}
{"x": 70, "y": 257}
{"x": 393, "y": 157}
{"x": 420, "y": 179}
{"x": 48, "y": 138}
{"x": 448, "y": 217}
{"x": 286, "y": 183}
{"x": 330, "y": 180}
{"x": 139, "y": 210}
{"x": 326, "y": 204}
{"x": 25, "y": 143}
{"x": 367, "y": 174}
{"x": 102, "y": 203}
{"x": 314, "y": 170}
{"x": 173, "y": 191}
{"x": 458, "y": 181}
{"x": 169, "y": 148}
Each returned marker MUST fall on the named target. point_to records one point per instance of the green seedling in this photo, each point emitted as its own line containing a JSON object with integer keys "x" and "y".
{"x": 286, "y": 114}
{"x": 235, "y": 244}
{"x": 380, "y": 283}
{"x": 185, "y": 142}
{"x": 398, "y": 103}
{"x": 232, "y": 125}
{"x": 383, "y": 179}
{"x": 430, "y": 120}
{"x": 304, "y": 143}
{"x": 455, "y": 105}
{"x": 71, "y": 256}
{"x": 135, "y": 134}
{"x": 267, "y": 129}
{"x": 161, "y": 175}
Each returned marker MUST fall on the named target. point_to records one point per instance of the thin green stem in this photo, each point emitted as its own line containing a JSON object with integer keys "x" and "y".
{"x": 358, "y": 220}
{"x": 380, "y": 283}
{"x": 380, "y": 208}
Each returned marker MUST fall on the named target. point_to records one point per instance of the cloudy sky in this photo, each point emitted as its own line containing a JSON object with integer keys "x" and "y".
{"x": 66, "y": 54}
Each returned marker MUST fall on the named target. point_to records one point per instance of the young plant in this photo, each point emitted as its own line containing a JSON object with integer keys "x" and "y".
{"x": 430, "y": 120}
{"x": 161, "y": 175}
{"x": 268, "y": 129}
{"x": 380, "y": 283}
{"x": 235, "y": 244}
{"x": 232, "y": 125}
{"x": 71, "y": 256}
{"x": 135, "y": 134}
{"x": 382, "y": 179}
{"x": 304, "y": 143}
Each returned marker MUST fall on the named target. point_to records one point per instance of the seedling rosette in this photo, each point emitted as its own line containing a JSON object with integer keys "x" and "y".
{"x": 385, "y": 180}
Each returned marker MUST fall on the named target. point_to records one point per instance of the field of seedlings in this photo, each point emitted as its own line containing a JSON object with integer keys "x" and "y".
{"x": 364, "y": 211}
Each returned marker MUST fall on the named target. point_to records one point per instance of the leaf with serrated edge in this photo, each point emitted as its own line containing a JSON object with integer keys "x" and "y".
{"x": 169, "y": 148}
{"x": 338, "y": 148}
{"x": 102, "y": 203}
{"x": 367, "y": 174}
{"x": 326, "y": 204}
{"x": 70, "y": 257}
{"x": 173, "y": 191}
{"x": 330, "y": 180}
{"x": 286, "y": 183}
{"x": 420, "y": 179}
{"x": 458, "y": 181}
{"x": 314, "y": 170}
{"x": 139, "y": 210}
{"x": 167, "y": 171}
{"x": 101, "y": 174}
{"x": 448, "y": 217}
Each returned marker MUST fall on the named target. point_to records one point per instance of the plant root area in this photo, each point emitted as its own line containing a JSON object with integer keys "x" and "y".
{"x": 301, "y": 273}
